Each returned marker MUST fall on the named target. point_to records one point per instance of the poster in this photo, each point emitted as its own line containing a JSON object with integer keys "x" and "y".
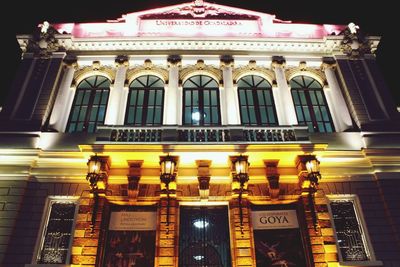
{"x": 277, "y": 239}
{"x": 133, "y": 220}
{"x": 131, "y": 239}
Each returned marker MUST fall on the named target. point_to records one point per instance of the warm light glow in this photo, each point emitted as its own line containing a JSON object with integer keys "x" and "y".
{"x": 241, "y": 165}
{"x": 94, "y": 165}
{"x": 167, "y": 166}
{"x": 312, "y": 166}
{"x": 200, "y": 223}
{"x": 306, "y": 184}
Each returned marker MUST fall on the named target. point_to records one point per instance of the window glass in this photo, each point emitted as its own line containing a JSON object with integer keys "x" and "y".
{"x": 351, "y": 239}
{"x": 257, "y": 105}
{"x": 201, "y": 101}
{"x": 310, "y": 104}
{"x": 57, "y": 232}
{"x": 91, "y": 97}
{"x": 145, "y": 105}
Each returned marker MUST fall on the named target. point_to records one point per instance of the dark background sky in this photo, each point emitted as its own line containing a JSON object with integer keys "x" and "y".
{"x": 378, "y": 18}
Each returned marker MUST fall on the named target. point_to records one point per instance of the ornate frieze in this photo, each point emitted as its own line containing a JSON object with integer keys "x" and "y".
{"x": 95, "y": 69}
{"x": 303, "y": 69}
{"x": 354, "y": 43}
{"x": 200, "y": 68}
{"x": 43, "y": 42}
{"x": 147, "y": 68}
{"x": 253, "y": 69}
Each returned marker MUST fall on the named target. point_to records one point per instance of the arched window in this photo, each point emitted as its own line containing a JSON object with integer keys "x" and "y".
{"x": 145, "y": 101}
{"x": 201, "y": 101}
{"x": 256, "y": 101}
{"x": 310, "y": 103}
{"x": 90, "y": 104}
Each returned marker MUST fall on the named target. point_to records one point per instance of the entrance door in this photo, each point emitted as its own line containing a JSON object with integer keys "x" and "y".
{"x": 204, "y": 237}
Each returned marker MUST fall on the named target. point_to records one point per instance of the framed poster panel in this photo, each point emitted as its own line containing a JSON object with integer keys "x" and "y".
{"x": 129, "y": 236}
{"x": 278, "y": 238}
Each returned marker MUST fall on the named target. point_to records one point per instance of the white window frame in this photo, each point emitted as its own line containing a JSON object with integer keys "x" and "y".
{"x": 365, "y": 235}
{"x": 43, "y": 226}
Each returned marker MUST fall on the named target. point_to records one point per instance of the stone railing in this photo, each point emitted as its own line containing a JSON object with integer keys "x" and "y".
{"x": 184, "y": 134}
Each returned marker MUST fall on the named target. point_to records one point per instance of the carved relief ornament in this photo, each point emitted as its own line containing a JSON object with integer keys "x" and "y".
{"x": 253, "y": 69}
{"x": 148, "y": 68}
{"x": 303, "y": 69}
{"x": 201, "y": 68}
{"x": 95, "y": 69}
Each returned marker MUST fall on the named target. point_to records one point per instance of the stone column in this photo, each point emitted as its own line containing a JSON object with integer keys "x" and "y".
{"x": 337, "y": 105}
{"x": 118, "y": 95}
{"x": 173, "y": 99}
{"x": 242, "y": 237}
{"x": 282, "y": 96}
{"x": 229, "y": 100}
{"x": 62, "y": 106}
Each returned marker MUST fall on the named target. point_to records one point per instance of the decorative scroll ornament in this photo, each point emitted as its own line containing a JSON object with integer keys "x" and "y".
{"x": 354, "y": 43}
{"x": 43, "y": 41}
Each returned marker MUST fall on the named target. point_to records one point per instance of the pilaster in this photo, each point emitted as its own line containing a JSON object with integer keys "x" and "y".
{"x": 230, "y": 111}
{"x": 173, "y": 97}
{"x": 282, "y": 96}
{"x": 334, "y": 97}
{"x": 65, "y": 96}
{"x": 118, "y": 94}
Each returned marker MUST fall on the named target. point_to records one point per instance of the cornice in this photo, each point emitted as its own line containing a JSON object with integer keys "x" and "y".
{"x": 329, "y": 45}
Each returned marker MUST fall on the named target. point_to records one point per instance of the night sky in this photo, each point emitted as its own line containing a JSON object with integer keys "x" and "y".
{"x": 373, "y": 19}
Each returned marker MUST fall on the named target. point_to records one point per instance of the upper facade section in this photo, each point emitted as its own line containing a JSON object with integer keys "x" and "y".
{"x": 198, "y": 19}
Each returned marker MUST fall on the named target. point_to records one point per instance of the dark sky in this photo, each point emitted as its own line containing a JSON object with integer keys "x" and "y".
{"x": 379, "y": 18}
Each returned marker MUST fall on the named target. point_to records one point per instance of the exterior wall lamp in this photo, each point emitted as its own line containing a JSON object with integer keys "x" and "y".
{"x": 309, "y": 176}
{"x": 167, "y": 177}
{"x": 240, "y": 177}
{"x": 97, "y": 176}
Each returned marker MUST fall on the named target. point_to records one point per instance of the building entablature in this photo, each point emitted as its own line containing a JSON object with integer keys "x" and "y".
{"x": 284, "y": 46}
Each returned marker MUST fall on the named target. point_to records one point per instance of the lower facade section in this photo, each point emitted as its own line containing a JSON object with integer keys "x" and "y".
{"x": 342, "y": 224}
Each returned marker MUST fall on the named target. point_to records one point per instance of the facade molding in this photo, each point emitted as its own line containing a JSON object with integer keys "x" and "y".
{"x": 95, "y": 69}
{"x": 253, "y": 69}
{"x": 200, "y": 68}
{"x": 317, "y": 74}
{"x": 331, "y": 44}
{"x": 147, "y": 68}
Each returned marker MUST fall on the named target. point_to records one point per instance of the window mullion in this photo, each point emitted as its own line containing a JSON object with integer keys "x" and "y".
{"x": 311, "y": 110}
{"x": 145, "y": 105}
{"x": 89, "y": 109}
{"x": 256, "y": 106}
{"x": 201, "y": 105}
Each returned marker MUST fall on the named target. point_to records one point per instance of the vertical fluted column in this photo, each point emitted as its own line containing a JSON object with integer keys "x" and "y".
{"x": 230, "y": 105}
{"x": 65, "y": 96}
{"x": 337, "y": 105}
{"x": 118, "y": 95}
{"x": 173, "y": 99}
{"x": 282, "y": 96}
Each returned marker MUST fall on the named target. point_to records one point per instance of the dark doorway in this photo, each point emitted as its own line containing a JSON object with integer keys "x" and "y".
{"x": 204, "y": 237}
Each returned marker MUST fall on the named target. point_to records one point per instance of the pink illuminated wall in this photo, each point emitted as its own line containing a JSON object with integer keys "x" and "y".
{"x": 215, "y": 21}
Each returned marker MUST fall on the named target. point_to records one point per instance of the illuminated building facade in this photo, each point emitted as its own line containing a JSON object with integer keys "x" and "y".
{"x": 199, "y": 135}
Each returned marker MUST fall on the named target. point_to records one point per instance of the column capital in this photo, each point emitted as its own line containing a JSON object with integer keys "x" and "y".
{"x": 278, "y": 61}
{"x": 71, "y": 61}
{"x": 122, "y": 61}
{"x": 328, "y": 63}
{"x": 226, "y": 61}
{"x": 174, "y": 60}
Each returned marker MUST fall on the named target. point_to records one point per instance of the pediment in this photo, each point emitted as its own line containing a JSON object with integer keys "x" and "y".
{"x": 198, "y": 10}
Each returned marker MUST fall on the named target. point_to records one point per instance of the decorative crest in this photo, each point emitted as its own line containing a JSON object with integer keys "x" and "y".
{"x": 354, "y": 43}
